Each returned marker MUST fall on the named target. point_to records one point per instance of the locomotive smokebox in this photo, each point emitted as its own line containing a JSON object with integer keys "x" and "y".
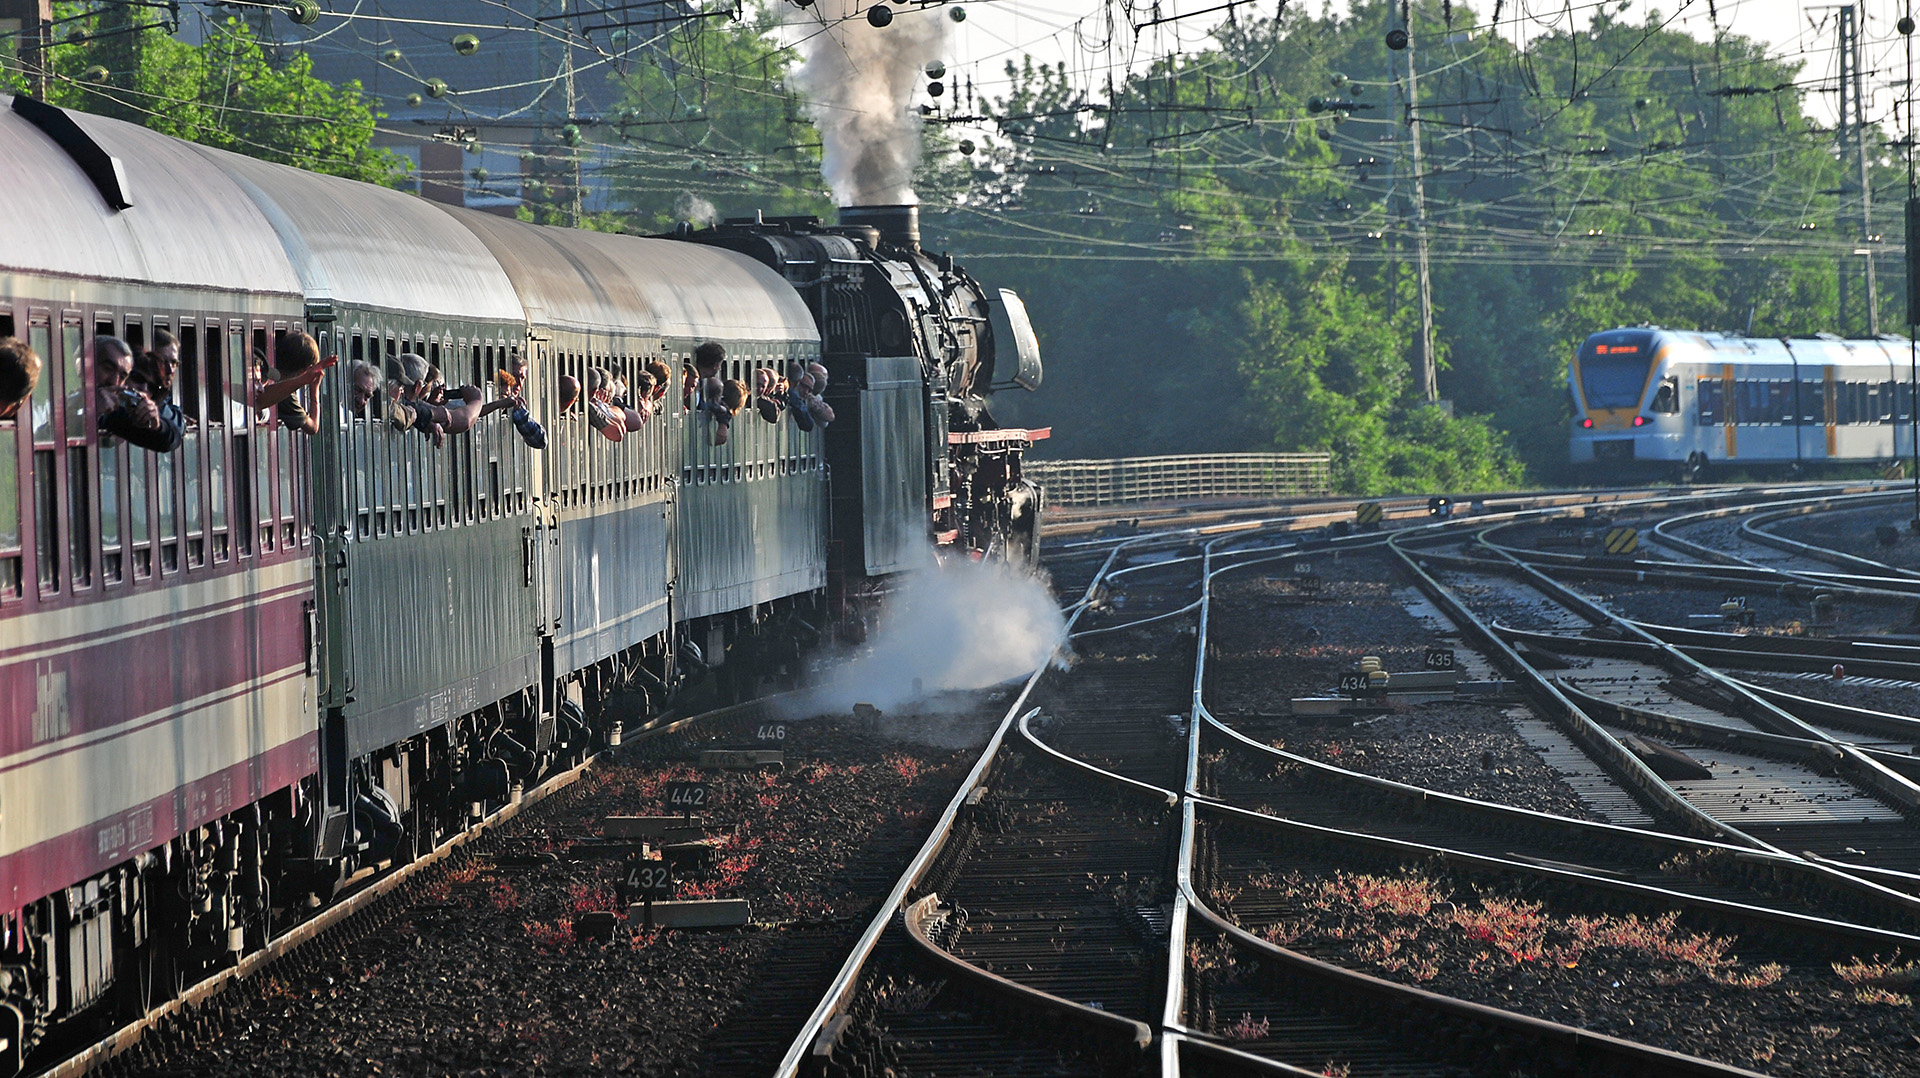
{"x": 898, "y": 225}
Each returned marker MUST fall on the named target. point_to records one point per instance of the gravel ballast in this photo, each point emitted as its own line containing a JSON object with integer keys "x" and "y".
{"x": 476, "y": 969}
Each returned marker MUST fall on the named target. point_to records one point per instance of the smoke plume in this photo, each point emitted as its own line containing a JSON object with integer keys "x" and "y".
{"x": 691, "y": 207}
{"x": 859, "y": 81}
{"x": 961, "y": 625}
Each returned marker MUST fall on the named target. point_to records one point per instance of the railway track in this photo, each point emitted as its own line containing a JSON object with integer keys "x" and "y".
{"x": 1095, "y": 865}
{"x": 1101, "y": 772}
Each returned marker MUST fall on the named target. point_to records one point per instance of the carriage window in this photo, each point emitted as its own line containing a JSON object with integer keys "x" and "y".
{"x": 9, "y": 510}
{"x": 1710, "y": 397}
{"x": 42, "y": 390}
{"x": 112, "y": 466}
{"x": 79, "y": 474}
{"x": 1813, "y": 402}
{"x": 239, "y": 415}
{"x": 76, "y": 383}
{"x": 139, "y": 527}
{"x": 187, "y": 389}
{"x": 216, "y": 413}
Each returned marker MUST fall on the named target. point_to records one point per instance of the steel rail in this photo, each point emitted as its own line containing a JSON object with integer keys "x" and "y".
{"x": 1188, "y": 903}
{"x": 130, "y": 1034}
{"x": 1663, "y": 530}
{"x": 1718, "y": 565}
{"x": 1816, "y": 755}
{"x": 1103, "y": 1023}
{"x": 1585, "y": 1050}
{"x": 1855, "y": 935}
{"x": 1598, "y": 614}
{"x": 1622, "y": 764}
{"x": 1874, "y": 777}
{"x": 1844, "y": 936}
{"x": 813, "y": 1039}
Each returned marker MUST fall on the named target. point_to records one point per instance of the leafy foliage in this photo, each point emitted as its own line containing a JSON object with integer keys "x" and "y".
{"x": 1621, "y": 174}
{"x": 121, "y": 60}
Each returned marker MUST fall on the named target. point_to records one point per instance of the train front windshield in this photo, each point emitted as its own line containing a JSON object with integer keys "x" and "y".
{"x": 1613, "y": 369}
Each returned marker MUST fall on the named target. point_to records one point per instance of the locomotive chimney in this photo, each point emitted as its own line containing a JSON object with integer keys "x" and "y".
{"x": 898, "y": 224}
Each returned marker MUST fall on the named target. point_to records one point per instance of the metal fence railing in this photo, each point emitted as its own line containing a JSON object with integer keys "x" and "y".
{"x": 1128, "y": 480}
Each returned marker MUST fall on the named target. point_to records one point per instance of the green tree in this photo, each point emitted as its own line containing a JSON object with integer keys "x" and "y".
{"x": 1617, "y": 174}
{"x": 122, "y": 60}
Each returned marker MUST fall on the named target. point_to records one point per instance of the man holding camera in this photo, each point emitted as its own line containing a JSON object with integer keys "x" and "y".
{"x": 125, "y": 411}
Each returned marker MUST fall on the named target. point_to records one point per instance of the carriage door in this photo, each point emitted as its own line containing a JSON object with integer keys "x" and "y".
{"x": 541, "y": 537}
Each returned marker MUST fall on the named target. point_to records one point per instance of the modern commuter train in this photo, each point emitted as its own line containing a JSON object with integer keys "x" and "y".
{"x": 237, "y": 676}
{"x": 1648, "y": 398}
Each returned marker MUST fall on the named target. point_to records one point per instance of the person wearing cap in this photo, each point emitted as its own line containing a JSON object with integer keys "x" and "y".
{"x": 405, "y": 372}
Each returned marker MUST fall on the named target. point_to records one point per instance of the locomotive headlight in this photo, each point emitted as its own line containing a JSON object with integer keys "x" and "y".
{"x": 1587, "y": 423}
{"x": 1639, "y": 421}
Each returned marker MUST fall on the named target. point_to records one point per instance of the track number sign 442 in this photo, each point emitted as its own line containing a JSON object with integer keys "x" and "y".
{"x": 687, "y": 796}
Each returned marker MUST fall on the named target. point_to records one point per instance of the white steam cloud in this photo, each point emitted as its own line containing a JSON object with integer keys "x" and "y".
{"x": 859, "y": 80}
{"x": 691, "y": 207}
{"x": 957, "y": 626}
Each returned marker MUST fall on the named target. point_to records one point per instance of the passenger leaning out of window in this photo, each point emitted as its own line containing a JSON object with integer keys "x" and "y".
{"x": 512, "y": 382}
{"x": 153, "y": 375}
{"x": 635, "y": 403}
{"x": 417, "y": 378}
{"x": 299, "y": 366}
{"x": 19, "y": 373}
{"x": 363, "y": 386}
{"x": 126, "y": 412}
{"x": 467, "y": 405}
{"x": 400, "y": 383}
{"x": 600, "y": 413}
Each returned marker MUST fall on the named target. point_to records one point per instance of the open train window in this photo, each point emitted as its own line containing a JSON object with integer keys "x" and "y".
{"x": 216, "y": 428}
{"x": 10, "y": 531}
{"x": 79, "y": 487}
{"x": 1666, "y": 399}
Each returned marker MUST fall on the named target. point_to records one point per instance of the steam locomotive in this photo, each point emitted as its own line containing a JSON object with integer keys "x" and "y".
{"x": 238, "y": 677}
{"x": 1678, "y": 401}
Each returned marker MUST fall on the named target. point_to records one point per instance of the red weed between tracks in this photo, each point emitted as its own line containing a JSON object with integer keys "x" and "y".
{"x": 1409, "y": 924}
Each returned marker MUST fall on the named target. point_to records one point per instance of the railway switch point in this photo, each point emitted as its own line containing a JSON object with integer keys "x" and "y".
{"x": 742, "y": 759}
{"x": 597, "y": 926}
{"x": 659, "y": 828}
{"x": 691, "y": 856}
{"x": 695, "y": 913}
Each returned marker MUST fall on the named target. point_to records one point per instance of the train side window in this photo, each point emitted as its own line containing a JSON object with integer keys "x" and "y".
{"x": 10, "y": 552}
{"x": 285, "y": 450}
{"x": 216, "y": 428}
{"x": 1813, "y": 402}
{"x": 79, "y": 470}
{"x": 40, "y": 472}
{"x": 240, "y": 424}
{"x": 1711, "y": 392}
{"x": 188, "y": 388}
